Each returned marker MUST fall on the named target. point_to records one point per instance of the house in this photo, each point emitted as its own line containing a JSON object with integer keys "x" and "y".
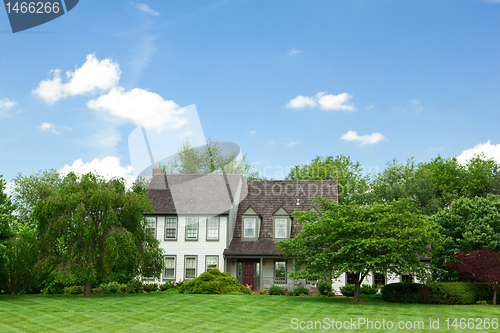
{"x": 228, "y": 223}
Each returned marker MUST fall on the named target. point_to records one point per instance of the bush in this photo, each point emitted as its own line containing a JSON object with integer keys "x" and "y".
{"x": 73, "y": 290}
{"x": 167, "y": 285}
{"x": 300, "y": 291}
{"x": 150, "y": 287}
{"x": 133, "y": 287}
{"x": 368, "y": 290}
{"x": 276, "y": 290}
{"x": 113, "y": 288}
{"x": 96, "y": 290}
{"x": 453, "y": 293}
{"x": 262, "y": 291}
{"x": 347, "y": 290}
{"x": 213, "y": 282}
{"x": 171, "y": 291}
{"x": 324, "y": 287}
{"x": 402, "y": 292}
{"x": 179, "y": 284}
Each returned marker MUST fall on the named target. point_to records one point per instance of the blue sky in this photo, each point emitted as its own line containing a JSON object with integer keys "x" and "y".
{"x": 285, "y": 80}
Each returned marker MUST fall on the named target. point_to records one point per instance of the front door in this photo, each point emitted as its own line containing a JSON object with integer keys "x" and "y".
{"x": 249, "y": 274}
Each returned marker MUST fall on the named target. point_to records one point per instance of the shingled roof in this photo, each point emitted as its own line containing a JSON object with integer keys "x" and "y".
{"x": 206, "y": 194}
{"x": 266, "y": 197}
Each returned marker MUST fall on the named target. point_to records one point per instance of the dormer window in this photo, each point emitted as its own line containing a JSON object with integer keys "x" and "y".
{"x": 281, "y": 224}
{"x": 249, "y": 227}
{"x": 250, "y": 224}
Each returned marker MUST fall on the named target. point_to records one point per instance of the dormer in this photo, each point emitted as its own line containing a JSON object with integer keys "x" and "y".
{"x": 282, "y": 224}
{"x": 250, "y": 224}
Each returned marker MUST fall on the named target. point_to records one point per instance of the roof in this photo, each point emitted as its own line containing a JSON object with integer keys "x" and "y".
{"x": 191, "y": 194}
{"x": 266, "y": 197}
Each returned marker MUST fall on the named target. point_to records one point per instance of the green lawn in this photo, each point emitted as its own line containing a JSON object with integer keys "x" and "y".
{"x": 163, "y": 312}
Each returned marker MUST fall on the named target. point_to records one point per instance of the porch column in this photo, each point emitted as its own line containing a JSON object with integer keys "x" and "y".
{"x": 260, "y": 273}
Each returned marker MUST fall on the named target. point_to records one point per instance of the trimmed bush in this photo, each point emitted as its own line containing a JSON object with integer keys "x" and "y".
{"x": 453, "y": 293}
{"x": 324, "y": 287}
{"x": 300, "y": 291}
{"x": 150, "y": 287}
{"x": 133, "y": 287}
{"x": 276, "y": 290}
{"x": 167, "y": 285}
{"x": 366, "y": 289}
{"x": 113, "y": 288}
{"x": 262, "y": 291}
{"x": 347, "y": 290}
{"x": 96, "y": 290}
{"x": 73, "y": 290}
{"x": 401, "y": 292}
{"x": 213, "y": 282}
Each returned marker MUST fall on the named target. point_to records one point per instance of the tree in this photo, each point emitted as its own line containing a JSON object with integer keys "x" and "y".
{"x": 467, "y": 224}
{"x": 480, "y": 265}
{"x": 87, "y": 226}
{"x": 6, "y": 218}
{"x": 348, "y": 237}
{"x": 354, "y": 185}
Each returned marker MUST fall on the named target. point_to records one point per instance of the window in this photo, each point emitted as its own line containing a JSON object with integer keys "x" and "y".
{"x": 280, "y": 228}
{"x": 190, "y": 267}
{"x": 351, "y": 278}
{"x": 169, "y": 271}
{"x": 213, "y": 228}
{"x": 191, "y": 228}
{"x": 171, "y": 228}
{"x": 280, "y": 272}
{"x": 151, "y": 225}
{"x": 406, "y": 278}
{"x": 212, "y": 262}
{"x": 249, "y": 228}
{"x": 379, "y": 279}
{"x": 240, "y": 268}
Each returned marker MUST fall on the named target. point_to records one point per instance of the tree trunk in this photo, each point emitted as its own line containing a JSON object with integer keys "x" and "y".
{"x": 356, "y": 291}
{"x": 87, "y": 289}
{"x": 495, "y": 296}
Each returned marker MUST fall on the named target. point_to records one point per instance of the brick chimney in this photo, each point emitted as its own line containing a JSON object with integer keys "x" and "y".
{"x": 157, "y": 171}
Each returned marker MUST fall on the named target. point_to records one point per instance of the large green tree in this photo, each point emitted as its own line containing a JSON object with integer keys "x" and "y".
{"x": 338, "y": 238}
{"x": 87, "y": 226}
{"x": 467, "y": 224}
{"x": 6, "y": 219}
{"x": 354, "y": 183}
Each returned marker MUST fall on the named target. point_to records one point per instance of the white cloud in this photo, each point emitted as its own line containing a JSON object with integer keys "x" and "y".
{"x": 292, "y": 52}
{"x": 48, "y": 127}
{"x": 489, "y": 150}
{"x": 108, "y": 167}
{"x": 325, "y": 101}
{"x": 6, "y": 104}
{"x": 300, "y": 102}
{"x": 292, "y": 143}
{"x": 9, "y": 187}
{"x": 94, "y": 76}
{"x": 414, "y": 101}
{"x": 363, "y": 139}
{"x": 252, "y": 132}
{"x": 141, "y": 107}
{"x": 370, "y": 106}
{"x": 145, "y": 8}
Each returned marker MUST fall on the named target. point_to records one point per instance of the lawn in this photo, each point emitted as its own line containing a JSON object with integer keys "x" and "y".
{"x": 166, "y": 312}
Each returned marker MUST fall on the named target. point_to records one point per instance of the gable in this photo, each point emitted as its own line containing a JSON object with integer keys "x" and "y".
{"x": 250, "y": 211}
{"x": 281, "y": 212}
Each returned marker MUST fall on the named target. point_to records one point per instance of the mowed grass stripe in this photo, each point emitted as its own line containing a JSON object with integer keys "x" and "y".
{"x": 163, "y": 312}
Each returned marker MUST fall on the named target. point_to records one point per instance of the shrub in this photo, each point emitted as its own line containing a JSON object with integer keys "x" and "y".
{"x": 401, "y": 292}
{"x": 276, "y": 290}
{"x": 453, "y": 293}
{"x": 96, "y": 290}
{"x": 150, "y": 287}
{"x": 167, "y": 285}
{"x": 299, "y": 291}
{"x": 347, "y": 290}
{"x": 324, "y": 286}
{"x": 113, "y": 287}
{"x": 133, "y": 287}
{"x": 262, "y": 291}
{"x": 179, "y": 284}
{"x": 368, "y": 290}
{"x": 73, "y": 290}
{"x": 213, "y": 282}
{"x": 481, "y": 302}
{"x": 171, "y": 291}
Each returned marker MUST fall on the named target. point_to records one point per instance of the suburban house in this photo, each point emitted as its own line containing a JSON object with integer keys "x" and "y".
{"x": 229, "y": 223}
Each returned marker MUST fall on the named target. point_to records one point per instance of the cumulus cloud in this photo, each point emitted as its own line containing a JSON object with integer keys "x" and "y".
{"x": 292, "y": 52}
{"x": 9, "y": 187}
{"x": 6, "y": 104}
{"x": 108, "y": 167}
{"x": 325, "y": 101}
{"x": 366, "y": 139}
{"x": 141, "y": 107}
{"x": 292, "y": 143}
{"x": 48, "y": 127}
{"x": 145, "y": 8}
{"x": 94, "y": 76}
{"x": 489, "y": 150}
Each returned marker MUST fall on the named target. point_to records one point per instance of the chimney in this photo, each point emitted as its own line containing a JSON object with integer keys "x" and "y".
{"x": 157, "y": 171}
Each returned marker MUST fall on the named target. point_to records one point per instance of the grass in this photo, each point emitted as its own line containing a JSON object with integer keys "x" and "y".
{"x": 169, "y": 312}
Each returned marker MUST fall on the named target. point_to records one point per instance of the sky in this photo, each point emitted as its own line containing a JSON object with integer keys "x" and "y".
{"x": 284, "y": 80}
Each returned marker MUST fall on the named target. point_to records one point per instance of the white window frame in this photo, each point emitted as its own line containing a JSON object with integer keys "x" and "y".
{"x": 149, "y": 220}
{"x": 217, "y": 220}
{"x": 174, "y": 268}
{"x": 285, "y": 227}
{"x": 189, "y": 226}
{"x": 176, "y": 228}
{"x": 216, "y": 262}
{"x": 254, "y": 227}
{"x": 275, "y": 264}
{"x": 195, "y": 267}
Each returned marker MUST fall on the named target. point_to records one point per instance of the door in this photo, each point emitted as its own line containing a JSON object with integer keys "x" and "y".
{"x": 249, "y": 274}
